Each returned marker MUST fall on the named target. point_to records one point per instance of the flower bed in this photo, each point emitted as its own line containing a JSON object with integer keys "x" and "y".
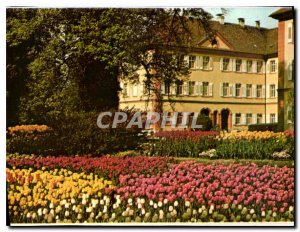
{"x": 233, "y": 145}
{"x": 106, "y": 166}
{"x": 185, "y": 192}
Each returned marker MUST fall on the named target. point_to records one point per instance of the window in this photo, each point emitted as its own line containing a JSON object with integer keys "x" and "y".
{"x": 238, "y": 89}
{"x": 191, "y": 87}
{"x": 259, "y": 91}
{"x": 272, "y": 91}
{"x": 225, "y": 89}
{"x": 273, "y": 66}
{"x": 259, "y": 66}
{"x": 272, "y": 118}
{"x": 249, "y": 66}
{"x": 225, "y": 64}
{"x": 205, "y": 89}
{"x": 125, "y": 90}
{"x": 238, "y": 65}
{"x": 205, "y": 62}
{"x": 192, "y": 61}
{"x": 290, "y": 33}
{"x": 259, "y": 118}
{"x": 248, "y": 119}
{"x": 237, "y": 119}
{"x": 167, "y": 88}
{"x": 248, "y": 90}
{"x": 179, "y": 88}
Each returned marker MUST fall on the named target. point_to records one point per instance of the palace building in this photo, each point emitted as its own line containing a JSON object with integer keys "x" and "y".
{"x": 234, "y": 81}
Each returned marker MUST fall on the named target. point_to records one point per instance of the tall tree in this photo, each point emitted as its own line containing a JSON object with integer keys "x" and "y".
{"x": 77, "y": 55}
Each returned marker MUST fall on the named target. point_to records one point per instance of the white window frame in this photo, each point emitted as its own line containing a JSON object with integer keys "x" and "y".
{"x": 261, "y": 118}
{"x": 192, "y": 62}
{"x": 227, "y": 88}
{"x": 272, "y": 91}
{"x": 228, "y": 64}
{"x": 205, "y": 85}
{"x": 192, "y": 87}
{"x": 259, "y": 91}
{"x": 240, "y": 90}
{"x": 272, "y": 118}
{"x": 247, "y": 85}
{"x": 261, "y": 66}
{"x": 240, "y": 61}
{"x": 206, "y": 66}
{"x": 238, "y": 118}
{"x": 273, "y": 66}
{"x": 249, "y": 68}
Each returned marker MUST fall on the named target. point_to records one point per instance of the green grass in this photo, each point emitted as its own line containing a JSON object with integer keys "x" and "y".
{"x": 279, "y": 163}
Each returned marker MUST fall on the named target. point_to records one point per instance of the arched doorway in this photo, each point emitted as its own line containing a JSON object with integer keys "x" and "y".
{"x": 224, "y": 119}
{"x": 205, "y": 112}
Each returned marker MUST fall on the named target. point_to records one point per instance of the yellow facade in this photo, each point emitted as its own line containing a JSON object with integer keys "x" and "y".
{"x": 261, "y": 108}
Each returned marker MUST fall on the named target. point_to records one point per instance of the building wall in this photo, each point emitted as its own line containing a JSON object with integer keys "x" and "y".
{"x": 286, "y": 86}
{"x": 265, "y": 105}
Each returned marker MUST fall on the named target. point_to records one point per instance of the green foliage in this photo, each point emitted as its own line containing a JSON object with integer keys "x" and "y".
{"x": 76, "y": 133}
{"x": 264, "y": 127}
{"x": 225, "y": 149}
{"x": 205, "y": 121}
{"x": 70, "y": 59}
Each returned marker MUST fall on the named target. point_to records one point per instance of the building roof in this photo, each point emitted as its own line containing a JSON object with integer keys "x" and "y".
{"x": 283, "y": 13}
{"x": 247, "y": 39}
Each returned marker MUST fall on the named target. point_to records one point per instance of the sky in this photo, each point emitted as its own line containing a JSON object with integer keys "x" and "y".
{"x": 251, "y": 14}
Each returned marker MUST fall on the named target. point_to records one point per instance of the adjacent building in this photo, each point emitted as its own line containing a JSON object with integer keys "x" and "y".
{"x": 286, "y": 74}
{"x": 233, "y": 81}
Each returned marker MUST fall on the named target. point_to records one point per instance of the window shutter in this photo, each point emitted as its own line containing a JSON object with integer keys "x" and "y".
{"x": 200, "y": 60}
{"x": 200, "y": 88}
{"x": 221, "y": 64}
{"x": 221, "y": 89}
{"x": 254, "y": 91}
{"x": 268, "y": 118}
{"x": 173, "y": 89}
{"x": 263, "y": 91}
{"x": 234, "y": 65}
{"x": 141, "y": 89}
{"x": 211, "y": 63}
{"x": 162, "y": 88}
{"x": 197, "y": 65}
{"x": 254, "y": 66}
{"x": 243, "y": 90}
{"x": 243, "y": 119}
{"x": 276, "y": 90}
{"x": 276, "y": 120}
{"x": 276, "y": 66}
{"x": 185, "y": 88}
{"x": 211, "y": 89}
{"x": 230, "y": 65}
{"x": 263, "y": 118}
{"x": 233, "y": 119}
{"x": 254, "y": 119}
{"x": 268, "y": 91}
{"x": 197, "y": 90}
{"x": 244, "y": 64}
{"x": 233, "y": 89}
{"x": 129, "y": 90}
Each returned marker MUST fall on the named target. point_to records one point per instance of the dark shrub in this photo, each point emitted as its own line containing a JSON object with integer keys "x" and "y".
{"x": 264, "y": 127}
{"x": 76, "y": 133}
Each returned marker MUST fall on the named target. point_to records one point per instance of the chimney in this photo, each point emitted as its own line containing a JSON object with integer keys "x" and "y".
{"x": 241, "y": 22}
{"x": 257, "y": 24}
{"x": 221, "y": 18}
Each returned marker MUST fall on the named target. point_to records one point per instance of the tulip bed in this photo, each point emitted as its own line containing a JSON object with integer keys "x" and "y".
{"x": 224, "y": 145}
{"x": 142, "y": 189}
